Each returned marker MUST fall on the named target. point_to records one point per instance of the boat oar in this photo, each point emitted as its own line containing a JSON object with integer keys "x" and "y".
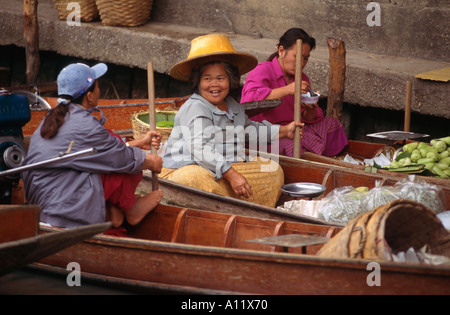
{"x": 298, "y": 98}
{"x": 152, "y": 116}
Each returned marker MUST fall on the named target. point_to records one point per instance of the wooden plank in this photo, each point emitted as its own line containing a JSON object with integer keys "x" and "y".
{"x": 18, "y": 222}
{"x": 31, "y": 36}
{"x": 16, "y": 254}
{"x": 336, "y": 85}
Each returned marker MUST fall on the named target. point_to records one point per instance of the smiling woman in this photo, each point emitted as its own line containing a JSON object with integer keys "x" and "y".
{"x": 206, "y": 148}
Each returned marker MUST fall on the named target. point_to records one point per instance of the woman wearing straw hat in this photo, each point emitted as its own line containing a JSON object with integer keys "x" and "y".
{"x": 93, "y": 188}
{"x": 206, "y": 148}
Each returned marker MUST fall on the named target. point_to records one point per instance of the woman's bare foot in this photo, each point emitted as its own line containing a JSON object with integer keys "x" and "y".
{"x": 143, "y": 206}
{"x": 115, "y": 215}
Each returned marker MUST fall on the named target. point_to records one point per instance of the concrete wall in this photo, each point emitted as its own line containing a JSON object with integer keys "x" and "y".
{"x": 418, "y": 28}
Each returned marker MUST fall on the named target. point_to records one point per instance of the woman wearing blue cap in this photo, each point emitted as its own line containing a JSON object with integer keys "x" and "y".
{"x": 93, "y": 188}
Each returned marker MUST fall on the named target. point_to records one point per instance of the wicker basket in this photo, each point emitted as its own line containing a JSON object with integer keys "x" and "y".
{"x": 124, "y": 12}
{"x": 387, "y": 230}
{"x": 88, "y": 9}
{"x": 139, "y": 122}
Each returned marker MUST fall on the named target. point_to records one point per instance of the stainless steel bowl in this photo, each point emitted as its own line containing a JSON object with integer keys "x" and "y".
{"x": 303, "y": 190}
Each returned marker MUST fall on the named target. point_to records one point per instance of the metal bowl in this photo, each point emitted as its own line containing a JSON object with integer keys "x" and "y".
{"x": 303, "y": 190}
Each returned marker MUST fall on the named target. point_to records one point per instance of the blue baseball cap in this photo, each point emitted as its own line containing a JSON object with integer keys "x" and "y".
{"x": 75, "y": 79}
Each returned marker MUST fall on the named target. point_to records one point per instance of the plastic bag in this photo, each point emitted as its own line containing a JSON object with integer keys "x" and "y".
{"x": 379, "y": 196}
{"x": 341, "y": 205}
{"x": 419, "y": 190}
{"x": 304, "y": 207}
{"x": 445, "y": 219}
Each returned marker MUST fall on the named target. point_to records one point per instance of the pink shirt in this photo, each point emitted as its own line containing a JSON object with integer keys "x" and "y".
{"x": 260, "y": 81}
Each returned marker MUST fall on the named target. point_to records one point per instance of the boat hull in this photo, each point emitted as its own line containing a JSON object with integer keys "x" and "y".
{"x": 295, "y": 170}
{"x": 184, "y": 268}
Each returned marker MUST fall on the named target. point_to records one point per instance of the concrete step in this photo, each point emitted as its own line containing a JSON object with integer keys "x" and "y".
{"x": 373, "y": 80}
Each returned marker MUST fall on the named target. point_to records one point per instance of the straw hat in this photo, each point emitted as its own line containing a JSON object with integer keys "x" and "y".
{"x": 210, "y": 48}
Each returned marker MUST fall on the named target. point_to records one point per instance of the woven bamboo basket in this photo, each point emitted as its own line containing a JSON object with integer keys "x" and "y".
{"x": 140, "y": 124}
{"x": 88, "y": 9}
{"x": 124, "y": 12}
{"x": 390, "y": 229}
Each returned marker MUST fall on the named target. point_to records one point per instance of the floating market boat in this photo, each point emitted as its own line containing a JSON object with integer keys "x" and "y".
{"x": 184, "y": 250}
{"x": 329, "y": 172}
{"x": 295, "y": 171}
{"x": 20, "y": 243}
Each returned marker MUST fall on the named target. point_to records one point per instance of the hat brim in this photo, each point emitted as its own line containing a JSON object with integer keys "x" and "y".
{"x": 99, "y": 70}
{"x": 182, "y": 70}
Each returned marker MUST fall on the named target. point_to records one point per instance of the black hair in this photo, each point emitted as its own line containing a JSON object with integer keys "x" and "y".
{"x": 289, "y": 39}
{"x": 56, "y": 116}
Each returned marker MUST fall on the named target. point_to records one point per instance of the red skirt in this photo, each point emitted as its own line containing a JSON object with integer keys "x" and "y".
{"x": 119, "y": 189}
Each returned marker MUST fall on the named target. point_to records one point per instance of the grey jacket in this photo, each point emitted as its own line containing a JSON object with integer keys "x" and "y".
{"x": 207, "y": 136}
{"x": 71, "y": 193}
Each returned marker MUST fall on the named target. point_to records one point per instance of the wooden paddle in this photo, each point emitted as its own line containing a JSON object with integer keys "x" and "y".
{"x": 298, "y": 97}
{"x": 152, "y": 116}
{"x": 407, "y": 123}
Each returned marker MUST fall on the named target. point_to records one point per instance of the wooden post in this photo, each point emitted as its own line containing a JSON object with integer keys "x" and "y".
{"x": 336, "y": 84}
{"x": 298, "y": 97}
{"x": 152, "y": 115}
{"x": 31, "y": 36}
{"x": 407, "y": 123}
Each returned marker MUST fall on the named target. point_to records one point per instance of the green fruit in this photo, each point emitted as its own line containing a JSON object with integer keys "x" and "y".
{"x": 425, "y": 161}
{"x": 164, "y": 124}
{"x": 415, "y": 155}
{"x": 394, "y": 165}
{"x": 442, "y": 166}
{"x": 444, "y": 155}
{"x": 410, "y": 147}
{"x": 439, "y": 172}
{"x": 429, "y": 166}
{"x": 445, "y": 160}
{"x": 440, "y": 146}
{"x": 446, "y": 140}
{"x": 432, "y": 155}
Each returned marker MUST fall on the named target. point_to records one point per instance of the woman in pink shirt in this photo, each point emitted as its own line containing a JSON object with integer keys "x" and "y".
{"x": 275, "y": 79}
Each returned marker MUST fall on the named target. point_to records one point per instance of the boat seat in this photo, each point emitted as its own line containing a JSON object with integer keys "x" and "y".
{"x": 292, "y": 240}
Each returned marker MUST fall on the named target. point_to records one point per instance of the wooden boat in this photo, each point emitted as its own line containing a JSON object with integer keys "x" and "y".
{"x": 20, "y": 243}
{"x": 118, "y": 112}
{"x": 295, "y": 170}
{"x": 330, "y": 172}
{"x": 189, "y": 251}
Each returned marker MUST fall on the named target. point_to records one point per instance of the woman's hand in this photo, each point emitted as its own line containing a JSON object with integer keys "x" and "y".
{"x": 238, "y": 183}
{"x": 152, "y": 138}
{"x": 288, "y": 131}
{"x": 153, "y": 162}
{"x": 310, "y": 112}
{"x": 287, "y": 90}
